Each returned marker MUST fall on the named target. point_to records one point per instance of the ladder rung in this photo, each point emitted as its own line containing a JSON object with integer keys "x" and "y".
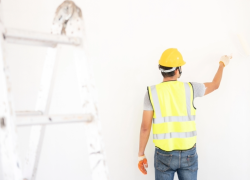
{"x": 29, "y": 113}
{"x": 39, "y": 39}
{"x": 52, "y": 119}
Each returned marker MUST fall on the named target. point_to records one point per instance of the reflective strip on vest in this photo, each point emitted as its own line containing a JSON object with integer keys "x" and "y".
{"x": 173, "y": 119}
{"x": 188, "y": 100}
{"x": 157, "y": 108}
{"x": 174, "y": 135}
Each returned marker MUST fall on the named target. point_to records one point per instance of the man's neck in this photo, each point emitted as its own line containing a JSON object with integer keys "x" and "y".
{"x": 170, "y": 79}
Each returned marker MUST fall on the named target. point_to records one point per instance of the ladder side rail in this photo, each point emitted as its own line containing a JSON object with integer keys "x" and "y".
{"x": 10, "y": 167}
{"x": 43, "y": 104}
{"x": 75, "y": 27}
{"x": 93, "y": 129}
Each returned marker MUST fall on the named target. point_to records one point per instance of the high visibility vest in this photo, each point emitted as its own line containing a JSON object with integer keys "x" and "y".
{"x": 174, "y": 125}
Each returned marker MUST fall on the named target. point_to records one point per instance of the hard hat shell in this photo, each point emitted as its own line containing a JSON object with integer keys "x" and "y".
{"x": 171, "y": 58}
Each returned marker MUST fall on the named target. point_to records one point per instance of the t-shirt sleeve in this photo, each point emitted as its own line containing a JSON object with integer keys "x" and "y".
{"x": 147, "y": 104}
{"x": 199, "y": 89}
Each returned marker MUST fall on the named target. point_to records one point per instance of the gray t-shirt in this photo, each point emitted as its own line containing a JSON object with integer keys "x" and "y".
{"x": 199, "y": 91}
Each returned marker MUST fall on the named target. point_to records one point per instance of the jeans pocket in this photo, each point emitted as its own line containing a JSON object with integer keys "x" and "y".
{"x": 163, "y": 161}
{"x": 192, "y": 160}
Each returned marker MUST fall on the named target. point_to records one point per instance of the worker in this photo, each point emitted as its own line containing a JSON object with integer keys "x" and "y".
{"x": 170, "y": 107}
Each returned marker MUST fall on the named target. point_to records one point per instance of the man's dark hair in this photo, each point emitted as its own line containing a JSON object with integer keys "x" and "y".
{"x": 167, "y": 74}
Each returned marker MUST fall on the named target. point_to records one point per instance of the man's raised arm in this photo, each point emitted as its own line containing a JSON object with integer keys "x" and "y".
{"x": 211, "y": 86}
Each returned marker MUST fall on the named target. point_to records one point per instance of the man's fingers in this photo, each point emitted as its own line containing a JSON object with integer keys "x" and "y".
{"x": 141, "y": 167}
{"x": 145, "y": 162}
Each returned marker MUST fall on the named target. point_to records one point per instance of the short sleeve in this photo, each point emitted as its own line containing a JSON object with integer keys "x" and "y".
{"x": 147, "y": 104}
{"x": 199, "y": 89}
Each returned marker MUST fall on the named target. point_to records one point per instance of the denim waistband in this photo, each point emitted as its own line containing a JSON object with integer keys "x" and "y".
{"x": 178, "y": 149}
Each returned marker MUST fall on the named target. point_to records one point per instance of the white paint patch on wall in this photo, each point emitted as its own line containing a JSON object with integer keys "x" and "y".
{"x": 125, "y": 40}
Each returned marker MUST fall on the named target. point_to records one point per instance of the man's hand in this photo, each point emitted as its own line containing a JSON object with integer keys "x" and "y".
{"x": 142, "y": 164}
{"x": 225, "y": 60}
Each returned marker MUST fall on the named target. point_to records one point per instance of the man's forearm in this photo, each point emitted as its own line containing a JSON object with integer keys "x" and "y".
{"x": 218, "y": 75}
{"x": 211, "y": 86}
{"x": 144, "y": 135}
{"x": 145, "y": 130}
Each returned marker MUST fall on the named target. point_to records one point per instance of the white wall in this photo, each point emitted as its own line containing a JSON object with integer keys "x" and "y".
{"x": 125, "y": 40}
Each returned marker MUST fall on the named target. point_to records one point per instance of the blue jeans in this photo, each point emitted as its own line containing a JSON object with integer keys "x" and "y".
{"x": 185, "y": 163}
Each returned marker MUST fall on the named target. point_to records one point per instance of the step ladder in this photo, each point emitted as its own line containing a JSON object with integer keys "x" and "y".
{"x": 67, "y": 28}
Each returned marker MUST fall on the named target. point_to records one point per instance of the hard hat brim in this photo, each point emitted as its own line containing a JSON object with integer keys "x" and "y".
{"x": 176, "y": 65}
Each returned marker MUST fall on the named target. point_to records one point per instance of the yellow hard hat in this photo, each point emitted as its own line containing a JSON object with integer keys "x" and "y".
{"x": 171, "y": 58}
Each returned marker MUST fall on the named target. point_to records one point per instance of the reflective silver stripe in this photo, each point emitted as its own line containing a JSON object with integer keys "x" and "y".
{"x": 188, "y": 99}
{"x": 175, "y": 135}
{"x": 173, "y": 119}
{"x": 157, "y": 108}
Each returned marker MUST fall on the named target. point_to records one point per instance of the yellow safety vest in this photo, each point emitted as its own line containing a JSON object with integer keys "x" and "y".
{"x": 174, "y": 115}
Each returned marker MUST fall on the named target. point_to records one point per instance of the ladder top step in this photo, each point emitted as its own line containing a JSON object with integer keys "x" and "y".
{"x": 39, "y": 39}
